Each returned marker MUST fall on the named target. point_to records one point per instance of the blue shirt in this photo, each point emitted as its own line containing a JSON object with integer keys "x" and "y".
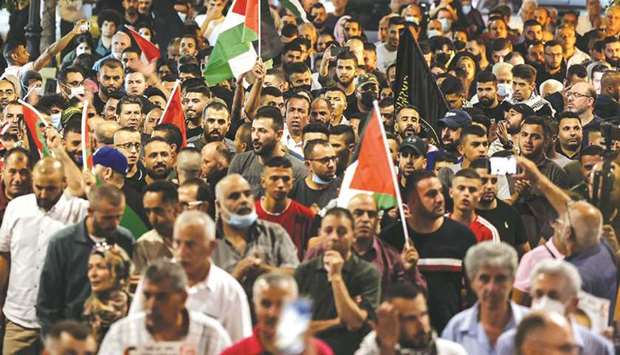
{"x": 586, "y": 339}
{"x": 465, "y": 329}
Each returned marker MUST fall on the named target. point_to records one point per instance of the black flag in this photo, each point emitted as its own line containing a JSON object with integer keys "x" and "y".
{"x": 271, "y": 45}
{"x": 415, "y": 85}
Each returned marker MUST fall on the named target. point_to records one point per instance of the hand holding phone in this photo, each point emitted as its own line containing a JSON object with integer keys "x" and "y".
{"x": 503, "y": 165}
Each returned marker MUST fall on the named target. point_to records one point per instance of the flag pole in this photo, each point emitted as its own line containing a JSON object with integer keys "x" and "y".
{"x": 176, "y": 86}
{"x": 399, "y": 200}
{"x": 259, "y": 30}
{"x": 85, "y": 135}
{"x": 36, "y": 112}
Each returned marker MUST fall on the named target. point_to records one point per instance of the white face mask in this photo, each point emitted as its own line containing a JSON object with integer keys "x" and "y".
{"x": 182, "y": 16}
{"x": 504, "y": 89}
{"x": 77, "y": 91}
{"x": 445, "y": 24}
{"x": 433, "y": 33}
{"x": 548, "y": 305}
{"x": 466, "y": 9}
{"x": 55, "y": 118}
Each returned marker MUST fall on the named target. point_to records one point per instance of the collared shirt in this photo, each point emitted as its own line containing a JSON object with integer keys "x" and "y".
{"x": 531, "y": 259}
{"x": 205, "y": 336}
{"x": 578, "y": 57}
{"x": 253, "y": 346}
{"x": 465, "y": 328}
{"x": 369, "y": 346}
{"x": 585, "y": 338}
{"x": 25, "y": 234}
{"x": 219, "y": 296}
{"x": 149, "y": 247}
{"x": 291, "y": 145}
{"x": 269, "y": 241}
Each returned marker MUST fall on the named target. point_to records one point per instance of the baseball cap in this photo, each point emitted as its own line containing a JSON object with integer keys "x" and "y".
{"x": 111, "y": 158}
{"x": 415, "y": 143}
{"x": 523, "y": 109}
{"x": 366, "y": 79}
{"x": 456, "y": 119}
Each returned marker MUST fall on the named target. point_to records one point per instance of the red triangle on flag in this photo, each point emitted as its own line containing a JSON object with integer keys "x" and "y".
{"x": 374, "y": 172}
{"x": 149, "y": 50}
{"x": 174, "y": 112}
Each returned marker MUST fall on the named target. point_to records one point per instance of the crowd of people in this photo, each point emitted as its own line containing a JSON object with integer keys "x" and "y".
{"x": 121, "y": 234}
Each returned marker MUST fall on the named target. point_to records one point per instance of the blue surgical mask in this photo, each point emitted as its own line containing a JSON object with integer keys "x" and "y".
{"x": 446, "y": 24}
{"x": 318, "y": 180}
{"x": 504, "y": 89}
{"x": 433, "y": 33}
{"x": 466, "y": 9}
{"x": 238, "y": 221}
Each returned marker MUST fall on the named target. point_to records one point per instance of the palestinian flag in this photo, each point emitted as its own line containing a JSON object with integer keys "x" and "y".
{"x": 373, "y": 171}
{"x": 150, "y": 52}
{"x": 35, "y": 124}
{"x": 132, "y": 221}
{"x": 295, "y": 7}
{"x": 87, "y": 153}
{"x": 173, "y": 113}
{"x": 234, "y": 53}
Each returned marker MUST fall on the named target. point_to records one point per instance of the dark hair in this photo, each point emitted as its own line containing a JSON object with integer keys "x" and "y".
{"x": 77, "y": 330}
{"x": 190, "y": 68}
{"x": 531, "y": 23}
{"x": 46, "y": 103}
{"x": 168, "y": 190}
{"x": 278, "y": 162}
{"x": 530, "y": 324}
{"x": 405, "y": 290}
{"x": 610, "y": 39}
{"x": 203, "y": 193}
{"x": 298, "y": 96}
{"x": 567, "y": 115}
{"x": 153, "y": 91}
{"x": 452, "y": 85}
{"x": 467, "y": 173}
{"x": 63, "y": 73}
{"x": 346, "y": 55}
{"x": 297, "y": 68}
{"x": 552, "y": 43}
{"x": 315, "y": 127}
{"x": 414, "y": 179}
{"x": 538, "y": 121}
{"x": 289, "y": 30}
{"x": 485, "y": 77}
{"x": 309, "y": 148}
{"x": 272, "y": 113}
{"x": 481, "y": 119}
{"x": 130, "y": 49}
{"x": 217, "y": 105}
{"x": 525, "y": 72}
{"x": 18, "y": 150}
{"x": 340, "y": 212}
{"x": 481, "y": 163}
{"x": 73, "y": 124}
{"x": 172, "y": 134}
{"x": 271, "y": 91}
{"x": 343, "y": 129}
{"x": 109, "y": 15}
{"x": 126, "y": 100}
{"x": 335, "y": 88}
{"x": 577, "y": 69}
{"x": 590, "y": 150}
{"x": 150, "y": 140}
{"x": 500, "y": 44}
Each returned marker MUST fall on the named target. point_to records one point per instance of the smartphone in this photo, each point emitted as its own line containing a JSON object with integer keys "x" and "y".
{"x": 503, "y": 165}
{"x": 85, "y": 27}
{"x": 50, "y": 86}
{"x": 336, "y": 50}
{"x": 291, "y": 330}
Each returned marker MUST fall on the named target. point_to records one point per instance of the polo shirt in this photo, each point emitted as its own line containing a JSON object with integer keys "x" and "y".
{"x": 253, "y": 346}
{"x": 507, "y": 222}
{"x": 465, "y": 328}
{"x": 150, "y": 247}
{"x": 64, "y": 284}
{"x": 25, "y": 234}
{"x": 585, "y": 338}
{"x": 205, "y": 336}
{"x": 598, "y": 271}
{"x": 530, "y": 259}
{"x": 218, "y": 296}
{"x": 363, "y": 283}
{"x": 438, "y": 346}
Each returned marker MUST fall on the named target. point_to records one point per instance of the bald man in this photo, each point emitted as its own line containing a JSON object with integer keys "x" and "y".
{"x": 29, "y": 222}
{"x": 188, "y": 165}
{"x": 211, "y": 290}
{"x": 541, "y": 333}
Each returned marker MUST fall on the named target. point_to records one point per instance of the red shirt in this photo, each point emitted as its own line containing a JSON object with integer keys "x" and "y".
{"x": 484, "y": 230}
{"x": 296, "y": 219}
{"x": 252, "y": 346}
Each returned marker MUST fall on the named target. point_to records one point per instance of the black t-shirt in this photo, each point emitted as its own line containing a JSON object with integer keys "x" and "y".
{"x": 496, "y": 113}
{"x": 507, "y": 221}
{"x": 303, "y": 194}
{"x": 351, "y": 106}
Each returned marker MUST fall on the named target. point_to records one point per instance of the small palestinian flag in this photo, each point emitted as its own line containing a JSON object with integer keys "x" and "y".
{"x": 35, "y": 124}
{"x": 87, "y": 153}
{"x": 150, "y": 52}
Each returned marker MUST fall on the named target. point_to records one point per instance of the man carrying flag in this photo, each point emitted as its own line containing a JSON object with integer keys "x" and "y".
{"x": 35, "y": 125}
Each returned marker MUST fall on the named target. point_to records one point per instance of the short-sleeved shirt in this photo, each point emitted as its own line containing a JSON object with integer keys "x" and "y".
{"x": 296, "y": 219}
{"x": 530, "y": 260}
{"x": 441, "y": 262}
{"x": 267, "y": 238}
{"x": 307, "y": 196}
{"x": 507, "y": 222}
{"x": 250, "y": 167}
{"x": 483, "y": 230}
{"x": 253, "y": 346}
{"x": 363, "y": 283}
{"x": 149, "y": 247}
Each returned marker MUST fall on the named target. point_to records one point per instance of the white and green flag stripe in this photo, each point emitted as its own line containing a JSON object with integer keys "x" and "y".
{"x": 295, "y": 7}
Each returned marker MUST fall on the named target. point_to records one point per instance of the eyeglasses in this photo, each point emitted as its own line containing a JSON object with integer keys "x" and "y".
{"x": 325, "y": 160}
{"x": 576, "y": 95}
{"x": 129, "y": 145}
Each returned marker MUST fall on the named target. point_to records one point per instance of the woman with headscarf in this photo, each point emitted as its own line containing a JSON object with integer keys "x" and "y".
{"x": 108, "y": 273}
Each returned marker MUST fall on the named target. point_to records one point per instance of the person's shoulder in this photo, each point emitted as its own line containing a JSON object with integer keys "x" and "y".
{"x": 593, "y": 341}
{"x": 454, "y": 229}
{"x": 205, "y": 321}
{"x": 301, "y": 209}
{"x": 458, "y": 321}
{"x": 224, "y": 281}
{"x": 29, "y": 201}
{"x": 243, "y": 157}
{"x": 447, "y": 347}
{"x": 269, "y": 227}
{"x": 65, "y": 235}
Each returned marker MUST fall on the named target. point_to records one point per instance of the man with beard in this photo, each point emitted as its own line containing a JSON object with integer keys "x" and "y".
{"x": 271, "y": 293}
{"x": 407, "y": 122}
{"x": 488, "y": 100}
{"x": 61, "y": 293}
{"x": 110, "y": 78}
{"x": 72, "y": 138}
{"x": 342, "y": 139}
{"x": 195, "y": 99}
{"x": 441, "y": 244}
{"x": 532, "y": 33}
{"x": 215, "y": 125}
{"x": 534, "y": 208}
{"x": 465, "y": 193}
{"x": 451, "y": 126}
{"x": 344, "y": 287}
{"x": 318, "y": 15}
{"x": 321, "y": 185}
{"x": 7, "y": 93}
{"x": 275, "y": 205}
{"x": 267, "y": 130}
{"x": 554, "y": 64}
{"x": 411, "y": 157}
{"x": 32, "y": 219}
{"x": 580, "y": 99}
{"x": 297, "y": 115}
{"x": 157, "y": 160}
{"x": 508, "y": 129}
{"x": 491, "y": 271}
{"x": 129, "y": 142}
{"x": 403, "y": 324}
{"x": 346, "y": 69}
{"x": 367, "y": 91}
{"x": 570, "y": 135}
{"x": 161, "y": 206}
{"x": 501, "y": 215}
{"x": 386, "y": 51}
{"x": 612, "y": 51}
{"x": 120, "y": 42}
{"x": 131, "y": 12}
{"x": 16, "y": 177}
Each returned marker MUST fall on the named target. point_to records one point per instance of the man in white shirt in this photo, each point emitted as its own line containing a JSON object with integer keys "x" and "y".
{"x": 567, "y": 36}
{"x": 386, "y": 52}
{"x": 297, "y": 116}
{"x": 211, "y": 290}
{"x": 29, "y": 222}
{"x": 166, "y": 325}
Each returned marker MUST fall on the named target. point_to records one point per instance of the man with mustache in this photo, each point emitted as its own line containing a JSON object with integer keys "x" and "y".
{"x": 491, "y": 271}
{"x": 570, "y": 135}
{"x": 61, "y": 293}
{"x": 195, "y": 99}
{"x": 403, "y": 324}
{"x": 407, "y": 122}
{"x": 166, "y": 318}
{"x": 16, "y": 177}
{"x": 297, "y": 116}
{"x": 581, "y": 98}
{"x": 488, "y": 99}
{"x": 32, "y": 219}
{"x": 321, "y": 184}
{"x": 411, "y": 157}
{"x": 110, "y": 77}
{"x": 215, "y": 125}
{"x": 157, "y": 160}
